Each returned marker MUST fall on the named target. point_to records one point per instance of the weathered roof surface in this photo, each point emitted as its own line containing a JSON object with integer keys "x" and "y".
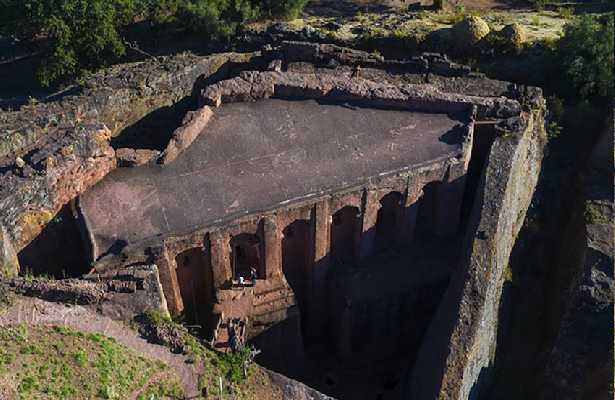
{"x": 255, "y": 156}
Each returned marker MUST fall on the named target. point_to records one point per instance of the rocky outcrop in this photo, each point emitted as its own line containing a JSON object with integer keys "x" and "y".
{"x": 294, "y": 390}
{"x": 127, "y": 157}
{"x": 120, "y": 294}
{"x": 580, "y": 363}
{"x": 461, "y": 340}
{"x": 9, "y": 264}
{"x": 51, "y": 152}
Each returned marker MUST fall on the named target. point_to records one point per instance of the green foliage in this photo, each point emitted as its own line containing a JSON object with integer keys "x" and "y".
{"x": 593, "y": 215}
{"x": 565, "y": 12}
{"x": 283, "y": 8}
{"x": 586, "y": 54}
{"x": 234, "y": 365}
{"x": 82, "y": 35}
{"x": 538, "y": 4}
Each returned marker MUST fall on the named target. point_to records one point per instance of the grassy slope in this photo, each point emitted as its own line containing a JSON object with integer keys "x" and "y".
{"x": 221, "y": 368}
{"x": 51, "y": 362}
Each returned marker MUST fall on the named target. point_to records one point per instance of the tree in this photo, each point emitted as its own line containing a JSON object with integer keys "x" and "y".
{"x": 82, "y": 35}
{"x": 586, "y": 55}
{"x": 78, "y": 35}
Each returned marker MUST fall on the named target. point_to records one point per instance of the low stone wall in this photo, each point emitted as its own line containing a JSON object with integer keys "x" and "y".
{"x": 120, "y": 294}
{"x": 462, "y": 337}
{"x": 252, "y": 86}
{"x": 192, "y": 125}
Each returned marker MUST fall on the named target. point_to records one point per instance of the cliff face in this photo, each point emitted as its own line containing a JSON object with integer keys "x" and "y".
{"x": 461, "y": 341}
{"x": 579, "y": 361}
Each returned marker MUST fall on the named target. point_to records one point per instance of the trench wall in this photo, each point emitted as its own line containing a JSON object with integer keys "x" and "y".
{"x": 460, "y": 344}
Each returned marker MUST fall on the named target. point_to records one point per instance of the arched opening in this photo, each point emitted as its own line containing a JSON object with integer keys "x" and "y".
{"x": 195, "y": 280}
{"x": 295, "y": 257}
{"x": 245, "y": 256}
{"x": 344, "y": 229}
{"x": 388, "y": 221}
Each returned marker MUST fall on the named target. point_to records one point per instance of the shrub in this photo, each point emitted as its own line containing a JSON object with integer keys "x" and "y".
{"x": 586, "y": 54}
{"x": 80, "y": 34}
{"x": 469, "y": 31}
{"x": 283, "y": 8}
{"x": 83, "y": 35}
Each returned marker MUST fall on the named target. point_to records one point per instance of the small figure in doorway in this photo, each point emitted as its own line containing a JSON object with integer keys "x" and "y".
{"x": 253, "y": 276}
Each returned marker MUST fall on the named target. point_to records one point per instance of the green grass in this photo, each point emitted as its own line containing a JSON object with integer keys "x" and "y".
{"x": 44, "y": 362}
{"x": 215, "y": 365}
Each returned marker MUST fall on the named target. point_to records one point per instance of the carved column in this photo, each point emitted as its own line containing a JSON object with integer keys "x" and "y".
{"x": 220, "y": 258}
{"x": 168, "y": 280}
{"x": 371, "y": 205}
{"x": 273, "y": 248}
{"x": 409, "y": 212}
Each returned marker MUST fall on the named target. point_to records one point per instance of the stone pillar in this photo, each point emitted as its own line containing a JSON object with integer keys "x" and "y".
{"x": 220, "y": 258}
{"x": 9, "y": 264}
{"x": 317, "y": 299}
{"x": 371, "y": 205}
{"x": 407, "y": 227}
{"x": 168, "y": 281}
{"x": 273, "y": 248}
{"x": 321, "y": 222}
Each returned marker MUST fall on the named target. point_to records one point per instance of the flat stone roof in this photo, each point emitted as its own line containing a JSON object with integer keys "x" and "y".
{"x": 256, "y": 156}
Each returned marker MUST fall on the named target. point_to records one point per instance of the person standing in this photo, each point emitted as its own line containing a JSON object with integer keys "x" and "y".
{"x": 253, "y": 276}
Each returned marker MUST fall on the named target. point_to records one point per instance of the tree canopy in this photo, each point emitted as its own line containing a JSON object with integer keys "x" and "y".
{"x": 585, "y": 53}
{"x": 82, "y": 35}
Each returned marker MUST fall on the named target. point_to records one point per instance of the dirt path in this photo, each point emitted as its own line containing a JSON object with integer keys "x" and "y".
{"x": 34, "y": 311}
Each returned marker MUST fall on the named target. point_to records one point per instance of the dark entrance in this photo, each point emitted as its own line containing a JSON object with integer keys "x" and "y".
{"x": 344, "y": 230}
{"x": 388, "y": 221}
{"x": 246, "y": 254}
{"x": 195, "y": 279}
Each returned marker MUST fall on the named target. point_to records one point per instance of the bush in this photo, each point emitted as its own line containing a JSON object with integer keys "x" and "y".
{"x": 283, "y": 8}
{"x": 82, "y": 35}
{"x": 469, "y": 32}
{"x": 586, "y": 54}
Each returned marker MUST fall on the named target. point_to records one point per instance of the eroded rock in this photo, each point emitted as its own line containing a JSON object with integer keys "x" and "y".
{"x": 194, "y": 123}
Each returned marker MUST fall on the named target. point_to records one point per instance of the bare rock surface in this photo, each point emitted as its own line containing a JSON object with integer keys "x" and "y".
{"x": 294, "y": 390}
{"x": 127, "y": 157}
{"x": 9, "y": 264}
